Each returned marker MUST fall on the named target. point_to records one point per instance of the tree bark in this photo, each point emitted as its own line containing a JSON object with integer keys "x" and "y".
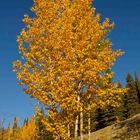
{"x": 77, "y": 119}
{"x": 89, "y": 126}
{"x": 68, "y": 131}
{"x": 81, "y": 123}
{"x": 76, "y": 128}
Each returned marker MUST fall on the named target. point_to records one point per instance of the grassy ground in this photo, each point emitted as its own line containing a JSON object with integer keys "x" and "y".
{"x": 125, "y": 130}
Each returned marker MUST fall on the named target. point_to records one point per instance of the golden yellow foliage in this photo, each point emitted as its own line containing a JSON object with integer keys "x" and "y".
{"x": 66, "y": 51}
{"x": 28, "y": 132}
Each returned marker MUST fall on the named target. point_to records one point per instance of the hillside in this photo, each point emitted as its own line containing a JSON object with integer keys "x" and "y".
{"x": 125, "y": 130}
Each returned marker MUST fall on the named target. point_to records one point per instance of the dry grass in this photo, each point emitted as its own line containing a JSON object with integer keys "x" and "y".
{"x": 125, "y": 130}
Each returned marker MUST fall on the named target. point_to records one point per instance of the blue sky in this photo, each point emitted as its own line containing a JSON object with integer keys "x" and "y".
{"x": 125, "y": 36}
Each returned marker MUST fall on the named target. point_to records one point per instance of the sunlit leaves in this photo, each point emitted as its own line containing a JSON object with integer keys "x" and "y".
{"x": 65, "y": 47}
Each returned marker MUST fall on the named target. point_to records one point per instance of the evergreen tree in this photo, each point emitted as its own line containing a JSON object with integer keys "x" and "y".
{"x": 121, "y": 109}
{"x": 95, "y": 120}
{"x": 15, "y": 123}
{"x": 137, "y": 85}
{"x": 101, "y": 118}
{"x": 15, "y": 128}
{"x": 108, "y": 115}
{"x": 43, "y": 134}
{"x": 131, "y": 101}
{"x": 25, "y": 122}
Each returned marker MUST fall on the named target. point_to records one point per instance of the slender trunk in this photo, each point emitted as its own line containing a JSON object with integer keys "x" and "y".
{"x": 76, "y": 128}
{"x": 68, "y": 131}
{"x": 89, "y": 126}
{"x": 77, "y": 119}
{"x": 81, "y": 123}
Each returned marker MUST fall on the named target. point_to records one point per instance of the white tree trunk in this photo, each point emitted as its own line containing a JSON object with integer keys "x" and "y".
{"x": 81, "y": 123}
{"x": 76, "y": 128}
{"x": 68, "y": 131}
{"x": 89, "y": 126}
{"x": 77, "y": 120}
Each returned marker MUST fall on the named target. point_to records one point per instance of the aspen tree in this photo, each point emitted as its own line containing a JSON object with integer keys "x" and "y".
{"x": 65, "y": 48}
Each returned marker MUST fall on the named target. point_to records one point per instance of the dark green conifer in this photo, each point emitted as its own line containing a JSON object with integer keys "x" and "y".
{"x": 137, "y": 84}
{"x": 121, "y": 109}
{"x": 25, "y": 122}
{"x": 43, "y": 134}
{"x": 95, "y": 120}
{"x": 108, "y": 115}
{"x": 131, "y": 101}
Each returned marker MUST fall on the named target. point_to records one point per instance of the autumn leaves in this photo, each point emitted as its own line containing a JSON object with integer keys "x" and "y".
{"x": 65, "y": 55}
